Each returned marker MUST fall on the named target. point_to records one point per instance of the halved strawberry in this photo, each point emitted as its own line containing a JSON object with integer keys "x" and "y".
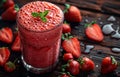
{"x": 72, "y": 13}
{"x": 10, "y": 14}
{"x": 6, "y": 35}
{"x": 93, "y": 31}
{"x": 16, "y": 44}
{"x": 71, "y": 45}
{"x": 4, "y": 55}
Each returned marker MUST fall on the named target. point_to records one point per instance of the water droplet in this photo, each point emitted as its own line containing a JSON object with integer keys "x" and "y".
{"x": 117, "y": 34}
{"x": 82, "y": 44}
{"x": 108, "y": 29}
{"x": 86, "y": 20}
{"x": 88, "y": 48}
{"x": 76, "y": 27}
{"x": 111, "y": 18}
{"x": 116, "y": 50}
{"x": 101, "y": 23}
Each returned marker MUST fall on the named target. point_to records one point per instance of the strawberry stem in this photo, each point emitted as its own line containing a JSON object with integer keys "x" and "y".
{"x": 80, "y": 60}
{"x": 90, "y": 24}
{"x": 16, "y": 7}
{"x": 68, "y": 73}
{"x": 15, "y": 60}
{"x": 67, "y": 6}
{"x": 66, "y": 36}
{"x": 10, "y": 64}
{"x": 114, "y": 61}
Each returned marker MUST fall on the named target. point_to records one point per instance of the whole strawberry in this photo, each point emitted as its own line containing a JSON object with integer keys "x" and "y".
{"x": 9, "y": 66}
{"x": 109, "y": 64}
{"x": 4, "y": 55}
{"x": 7, "y": 3}
{"x": 72, "y": 13}
{"x": 10, "y": 14}
{"x": 86, "y": 64}
{"x": 66, "y": 28}
{"x": 73, "y": 67}
{"x": 71, "y": 45}
{"x": 67, "y": 56}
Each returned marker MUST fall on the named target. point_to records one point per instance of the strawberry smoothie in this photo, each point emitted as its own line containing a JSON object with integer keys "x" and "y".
{"x": 40, "y": 41}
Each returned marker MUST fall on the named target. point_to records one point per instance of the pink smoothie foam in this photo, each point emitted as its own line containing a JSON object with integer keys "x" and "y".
{"x": 28, "y": 21}
{"x": 40, "y": 41}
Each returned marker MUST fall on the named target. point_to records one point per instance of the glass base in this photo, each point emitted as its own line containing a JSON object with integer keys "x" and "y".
{"x": 38, "y": 70}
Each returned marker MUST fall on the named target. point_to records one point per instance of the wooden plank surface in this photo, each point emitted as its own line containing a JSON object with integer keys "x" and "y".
{"x": 99, "y": 10}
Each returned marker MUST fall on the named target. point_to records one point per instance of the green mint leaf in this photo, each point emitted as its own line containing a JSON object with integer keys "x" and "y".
{"x": 43, "y": 19}
{"x": 45, "y": 12}
{"x": 41, "y": 15}
{"x": 16, "y": 7}
{"x": 34, "y": 14}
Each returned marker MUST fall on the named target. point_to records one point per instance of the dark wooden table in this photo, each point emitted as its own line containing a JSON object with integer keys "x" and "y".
{"x": 99, "y": 10}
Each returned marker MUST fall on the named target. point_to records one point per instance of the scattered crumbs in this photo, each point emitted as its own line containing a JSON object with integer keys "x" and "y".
{"x": 80, "y": 31}
{"x": 116, "y": 50}
{"x": 82, "y": 44}
{"x": 111, "y": 18}
{"x": 101, "y": 23}
{"x": 99, "y": 18}
{"x": 118, "y": 22}
{"x": 86, "y": 20}
{"x": 91, "y": 57}
{"x": 18, "y": 61}
{"x": 117, "y": 34}
{"x": 96, "y": 66}
{"x": 76, "y": 27}
{"x": 88, "y": 48}
{"x": 108, "y": 29}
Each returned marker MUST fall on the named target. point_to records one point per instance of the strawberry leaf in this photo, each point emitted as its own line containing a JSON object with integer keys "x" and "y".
{"x": 16, "y": 7}
{"x": 45, "y": 13}
{"x": 90, "y": 24}
{"x": 10, "y": 64}
{"x": 67, "y": 6}
{"x": 2, "y": 2}
{"x": 113, "y": 60}
{"x": 66, "y": 36}
{"x": 34, "y": 14}
{"x": 41, "y": 15}
{"x": 43, "y": 19}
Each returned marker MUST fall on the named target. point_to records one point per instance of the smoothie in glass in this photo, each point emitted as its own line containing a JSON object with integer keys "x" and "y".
{"x": 40, "y": 41}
